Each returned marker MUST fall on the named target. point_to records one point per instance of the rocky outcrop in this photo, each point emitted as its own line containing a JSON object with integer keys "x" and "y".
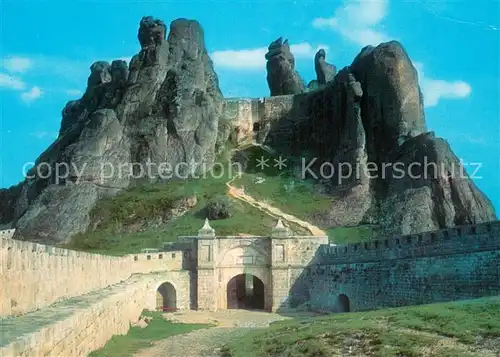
{"x": 371, "y": 147}
{"x": 8, "y": 198}
{"x": 173, "y": 106}
{"x": 362, "y": 133}
{"x": 132, "y": 123}
{"x": 281, "y": 75}
{"x": 437, "y": 192}
{"x": 392, "y": 98}
{"x": 325, "y": 72}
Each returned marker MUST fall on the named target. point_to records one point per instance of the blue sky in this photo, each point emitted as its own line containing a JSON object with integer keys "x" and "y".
{"x": 48, "y": 46}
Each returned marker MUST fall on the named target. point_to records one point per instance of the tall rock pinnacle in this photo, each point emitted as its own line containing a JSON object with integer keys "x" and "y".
{"x": 281, "y": 75}
{"x": 130, "y": 124}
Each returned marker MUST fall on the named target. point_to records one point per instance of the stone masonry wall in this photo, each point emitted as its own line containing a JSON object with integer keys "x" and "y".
{"x": 8, "y": 233}
{"x": 258, "y": 110}
{"x": 91, "y": 325}
{"x": 452, "y": 264}
{"x": 35, "y": 275}
{"x": 290, "y": 255}
{"x": 242, "y": 113}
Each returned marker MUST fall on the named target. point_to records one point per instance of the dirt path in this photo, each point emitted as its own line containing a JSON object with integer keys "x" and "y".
{"x": 268, "y": 209}
{"x": 230, "y": 324}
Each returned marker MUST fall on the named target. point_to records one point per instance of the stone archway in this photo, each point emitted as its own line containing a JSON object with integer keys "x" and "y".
{"x": 245, "y": 291}
{"x": 344, "y": 304}
{"x": 166, "y": 297}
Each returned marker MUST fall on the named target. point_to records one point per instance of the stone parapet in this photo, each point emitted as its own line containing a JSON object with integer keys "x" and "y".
{"x": 35, "y": 275}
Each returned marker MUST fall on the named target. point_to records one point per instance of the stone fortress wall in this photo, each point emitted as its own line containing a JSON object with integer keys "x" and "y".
{"x": 254, "y": 117}
{"x": 8, "y": 233}
{"x": 76, "y": 327}
{"x": 58, "y": 302}
{"x": 105, "y": 294}
{"x": 34, "y": 275}
{"x": 451, "y": 264}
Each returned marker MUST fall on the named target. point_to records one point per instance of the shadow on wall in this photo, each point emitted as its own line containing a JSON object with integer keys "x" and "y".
{"x": 303, "y": 294}
{"x": 458, "y": 263}
{"x": 187, "y": 246}
{"x": 318, "y": 127}
{"x": 298, "y": 123}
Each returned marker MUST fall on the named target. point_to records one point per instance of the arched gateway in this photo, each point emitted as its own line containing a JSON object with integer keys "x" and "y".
{"x": 343, "y": 303}
{"x": 245, "y": 291}
{"x": 166, "y": 297}
{"x": 240, "y": 272}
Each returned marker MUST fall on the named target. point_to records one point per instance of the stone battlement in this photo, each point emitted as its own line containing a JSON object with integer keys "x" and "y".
{"x": 449, "y": 241}
{"x": 261, "y": 109}
{"x": 36, "y": 275}
{"x": 7, "y": 233}
{"x": 255, "y": 118}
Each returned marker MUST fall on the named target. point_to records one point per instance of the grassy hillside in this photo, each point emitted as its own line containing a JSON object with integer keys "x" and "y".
{"x": 347, "y": 235}
{"x": 139, "y": 217}
{"x": 458, "y": 329}
{"x": 281, "y": 188}
{"x": 128, "y": 222}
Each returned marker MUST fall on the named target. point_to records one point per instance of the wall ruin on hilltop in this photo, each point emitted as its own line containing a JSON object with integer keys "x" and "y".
{"x": 254, "y": 118}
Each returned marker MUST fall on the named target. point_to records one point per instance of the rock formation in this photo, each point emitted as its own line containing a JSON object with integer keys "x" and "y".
{"x": 325, "y": 72}
{"x": 132, "y": 122}
{"x": 369, "y": 125}
{"x": 281, "y": 75}
{"x": 139, "y": 121}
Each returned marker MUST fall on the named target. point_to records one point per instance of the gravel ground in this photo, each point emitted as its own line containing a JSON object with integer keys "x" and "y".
{"x": 207, "y": 342}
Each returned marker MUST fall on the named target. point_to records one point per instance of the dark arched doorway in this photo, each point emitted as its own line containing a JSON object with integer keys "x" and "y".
{"x": 166, "y": 298}
{"x": 245, "y": 291}
{"x": 343, "y": 303}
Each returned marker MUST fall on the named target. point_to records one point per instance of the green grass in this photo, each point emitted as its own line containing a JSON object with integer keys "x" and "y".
{"x": 281, "y": 188}
{"x": 402, "y": 332}
{"x": 132, "y": 220}
{"x": 144, "y": 203}
{"x": 347, "y": 235}
{"x": 139, "y": 338}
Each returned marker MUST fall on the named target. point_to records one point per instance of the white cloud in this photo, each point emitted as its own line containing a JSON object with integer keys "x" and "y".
{"x": 17, "y": 64}
{"x": 31, "y": 95}
{"x": 240, "y": 59}
{"x": 470, "y": 139}
{"x": 436, "y": 89}
{"x": 10, "y": 82}
{"x": 306, "y": 50}
{"x": 254, "y": 58}
{"x": 357, "y": 21}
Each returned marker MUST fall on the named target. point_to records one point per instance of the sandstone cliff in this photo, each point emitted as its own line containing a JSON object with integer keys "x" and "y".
{"x": 163, "y": 109}
{"x": 368, "y": 124}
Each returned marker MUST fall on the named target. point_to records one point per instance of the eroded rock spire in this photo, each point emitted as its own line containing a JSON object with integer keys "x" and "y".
{"x": 281, "y": 75}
